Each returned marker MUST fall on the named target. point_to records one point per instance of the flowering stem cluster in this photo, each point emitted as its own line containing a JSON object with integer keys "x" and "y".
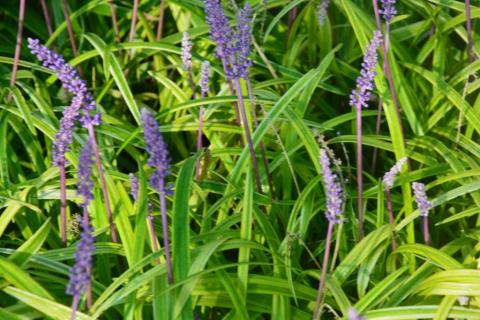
{"x": 81, "y": 107}
{"x": 234, "y": 49}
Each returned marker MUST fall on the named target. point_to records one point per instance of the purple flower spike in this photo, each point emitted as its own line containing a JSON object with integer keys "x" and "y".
{"x": 322, "y": 12}
{"x": 361, "y": 95}
{"x": 133, "y": 186}
{"x": 204, "y": 77}
{"x": 220, "y": 31}
{"x": 85, "y": 183}
{"x": 157, "y": 149}
{"x": 80, "y": 273}
{"x": 390, "y": 175}
{"x": 388, "y": 10}
{"x": 333, "y": 190}
{"x": 82, "y": 100}
{"x": 243, "y": 39}
{"x": 421, "y": 198}
{"x": 186, "y": 51}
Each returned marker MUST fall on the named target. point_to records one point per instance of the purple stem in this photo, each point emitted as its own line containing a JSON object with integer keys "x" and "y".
{"x": 426, "y": 233}
{"x": 74, "y": 306}
{"x": 292, "y": 15}
{"x": 247, "y": 135}
{"x": 114, "y": 20}
{"x": 89, "y": 286}
{"x": 199, "y": 138}
{"x": 326, "y": 255}
{"x": 232, "y": 91}
{"x": 260, "y": 145}
{"x": 18, "y": 46}
{"x": 377, "y": 131}
{"x": 153, "y": 238}
{"x": 69, "y": 27}
{"x": 388, "y": 73}
{"x": 192, "y": 83}
{"x": 469, "y": 31}
{"x": 134, "y": 21}
{"x": 166, "y": 242}
{"x": 46, "y": 15}
{"x": 63, "y": 204}
{"x": 103, "y": 185}
{"x": 359, "y": 171}
{"x": 160, "y": 20}
{"x": 391, "y": 219}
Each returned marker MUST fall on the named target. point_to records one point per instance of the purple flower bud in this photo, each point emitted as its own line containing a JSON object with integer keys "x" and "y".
{"x": 80, "y": 272}
{"x": 85, "y": 183}
{"x": 133, "y": 186}
{"x": 390, "y": 175}
{"x": 186, "y": 52}
{"x": 204, "y": 77}
{"x": 322, "y": 12}
{"x": 82, "y": 100}
{"x": 388, "y": 10}
{"x": 361, "y": 95}
{"x": 332, "y": 188}
{"x": 157, "y": 149}
{"x": 423, "y": 204}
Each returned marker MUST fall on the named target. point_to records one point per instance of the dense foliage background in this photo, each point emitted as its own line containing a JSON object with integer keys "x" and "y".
{"x": 238, "y": 253}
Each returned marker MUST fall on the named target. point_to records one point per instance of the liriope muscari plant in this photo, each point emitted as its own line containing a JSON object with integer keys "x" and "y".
{"x": 333, "y": 212}
{"x": 81, "y": 108}
{"x": 159, "y": 159}
{"x": 387, "y": 185}
{"x": 233, "y": 49}
{"x": 424, "y": 206}
{"x": 358, "y": 99}
{"x": 81, "y": 272}
{"x": 204, "y": 88}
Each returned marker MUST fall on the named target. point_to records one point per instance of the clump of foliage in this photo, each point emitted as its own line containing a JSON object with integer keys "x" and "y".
{"x": 212, "y": 159}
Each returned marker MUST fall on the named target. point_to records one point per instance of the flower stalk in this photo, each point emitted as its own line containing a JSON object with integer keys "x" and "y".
{"x": 160, "y": 160}
{"x": 358, "y": 99}
{"x": 334, "y": 207}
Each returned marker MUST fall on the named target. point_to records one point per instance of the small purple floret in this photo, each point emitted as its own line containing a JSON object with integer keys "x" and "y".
{"x": 388, "y": 10}
{"x": 333, "y": 190}
{"x": 390, "y": 175}
{"x": 362, "y": 93}
{"x": 157, "y": 149}
{"x": 85, "y": 183}
{"x": 423, "y": 204}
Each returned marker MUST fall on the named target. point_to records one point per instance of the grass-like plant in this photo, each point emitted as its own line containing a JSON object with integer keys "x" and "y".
{"x": 245, "y": 216}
